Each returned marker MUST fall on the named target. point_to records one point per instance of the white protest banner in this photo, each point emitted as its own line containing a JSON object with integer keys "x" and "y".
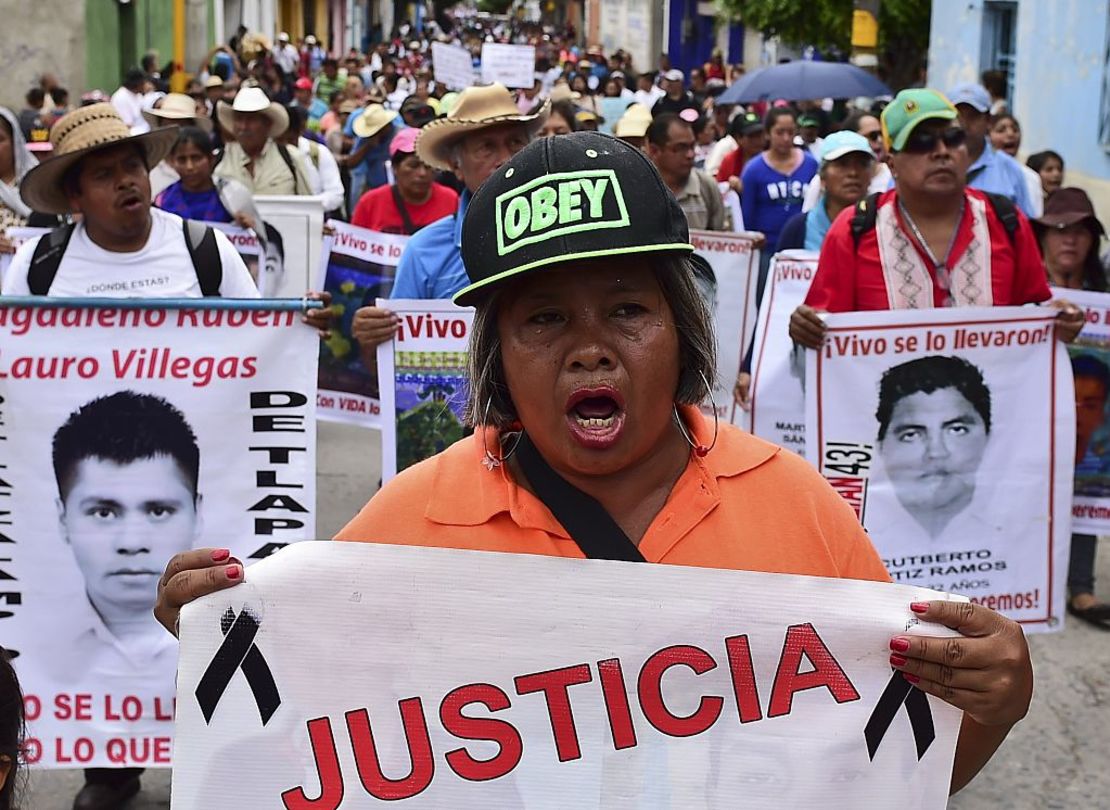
{"x": 17, "y": 236}
{"x": 778, "y": 366}
{"x": 129, "y": 435}
{"x": 452, "y": 66}
{"x": 512, "y": 65}
{"x": 358, "y": 267}
{"x": 300, "y": 221}
{"x": 423, "y": 381}
{"x": 1090, "y": 360}
{"x": 952, "y": 434}
{"x": 470, "y": 680}
{"x": 729, "y": 292}
{"x": 249, "y": 248}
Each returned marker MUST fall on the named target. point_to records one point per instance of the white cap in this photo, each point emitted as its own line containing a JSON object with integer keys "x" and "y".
{"x": 674, "y": 75}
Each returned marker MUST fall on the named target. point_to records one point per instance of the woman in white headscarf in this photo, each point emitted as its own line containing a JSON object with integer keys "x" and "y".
{"x": 15, "y": 161}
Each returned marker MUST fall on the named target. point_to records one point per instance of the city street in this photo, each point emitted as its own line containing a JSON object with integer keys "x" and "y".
{"x": 1055, "y": 759}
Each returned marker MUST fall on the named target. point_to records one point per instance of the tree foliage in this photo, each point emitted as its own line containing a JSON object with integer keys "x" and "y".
{"x": 827, "y": 25}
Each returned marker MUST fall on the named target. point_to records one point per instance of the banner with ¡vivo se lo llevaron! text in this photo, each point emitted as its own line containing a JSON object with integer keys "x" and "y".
{"x": 951, "y": 432}
{"x": 356, "y": 674}
{"x": 130, "y": 435}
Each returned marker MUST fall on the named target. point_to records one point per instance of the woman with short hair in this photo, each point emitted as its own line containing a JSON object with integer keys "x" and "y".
{"x": 590, "y": 352}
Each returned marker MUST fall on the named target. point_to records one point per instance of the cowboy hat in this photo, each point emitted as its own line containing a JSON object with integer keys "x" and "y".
{"x": 477, "y": 108}
{"x": 372, "y": 120}
{"x": 177, "y": 108}
{"x": 253, "y": 100}
{"x": 76, "y": 135}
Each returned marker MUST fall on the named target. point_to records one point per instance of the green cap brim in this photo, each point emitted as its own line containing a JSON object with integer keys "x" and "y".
{"x": 942, "y": 115}
{"x": 470, "y": 295}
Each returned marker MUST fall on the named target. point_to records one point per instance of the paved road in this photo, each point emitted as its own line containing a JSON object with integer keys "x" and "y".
{"x": 1055, "y": 759}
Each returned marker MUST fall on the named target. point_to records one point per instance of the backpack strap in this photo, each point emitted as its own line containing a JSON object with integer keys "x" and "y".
{"x": 1006, "y": 211}
{"x": 47, "y": 258}
{"x": 863, "y": 220}
{"x": 584, "y": 518}
{"x": 399, "y": 201}
{"x": 200, "y": 240}
{"x": 284, "y": 152}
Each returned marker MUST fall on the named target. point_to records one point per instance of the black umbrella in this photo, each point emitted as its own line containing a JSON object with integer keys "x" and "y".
{"x": 804, "y": 79}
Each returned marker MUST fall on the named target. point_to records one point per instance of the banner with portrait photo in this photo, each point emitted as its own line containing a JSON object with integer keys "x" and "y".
{"x": 424, "y": 381}
{"x": 1090, "y": 363}
{"x": 358, "y": 267}
{"x": 251, "y": 251}
{"x": 728, "y": 289}
{"x": 130, "y": 435}
{"x": 778, "y": 366}
{"x": 951, "y": 432}
{"x": 441, "y": 678}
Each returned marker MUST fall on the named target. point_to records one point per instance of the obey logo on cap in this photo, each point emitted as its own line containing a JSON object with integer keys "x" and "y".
{"x": 559, "y": 204}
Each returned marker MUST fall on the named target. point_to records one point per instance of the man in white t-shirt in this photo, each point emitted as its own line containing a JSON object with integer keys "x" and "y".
{"x": 129, "y": 101}
{"x": 120, "y": 248}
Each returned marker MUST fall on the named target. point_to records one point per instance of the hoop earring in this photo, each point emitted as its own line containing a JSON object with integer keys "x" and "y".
{"x": 700, "y": 450}
{"x": 492, "y": 462}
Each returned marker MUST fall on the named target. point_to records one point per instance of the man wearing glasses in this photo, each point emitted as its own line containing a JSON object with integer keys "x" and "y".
{"x": 670, "y": 145}
{"x": 931, "y": 241}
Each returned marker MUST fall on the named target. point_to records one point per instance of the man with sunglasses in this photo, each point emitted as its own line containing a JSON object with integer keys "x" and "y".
{"x": 990, "y": 170}
{"x": 931, "y": 241}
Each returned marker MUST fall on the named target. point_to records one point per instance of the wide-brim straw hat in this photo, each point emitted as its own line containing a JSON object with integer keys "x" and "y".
{"x": 476, "y": 108}
{"x": 253, "y": 100}
{"x": 373, "y": 120}
{"x": 76, "y": 135}
{"x": 177, "y": 108}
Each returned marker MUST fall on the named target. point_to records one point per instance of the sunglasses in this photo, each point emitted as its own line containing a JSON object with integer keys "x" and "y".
{"x": 923, "y": 143}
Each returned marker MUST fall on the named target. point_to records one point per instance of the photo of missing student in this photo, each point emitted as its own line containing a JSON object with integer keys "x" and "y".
{"x": 950, "y": 433}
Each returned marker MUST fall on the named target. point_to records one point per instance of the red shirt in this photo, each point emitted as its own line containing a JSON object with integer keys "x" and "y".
{"x": 731, "y": 166}
{"x": 850, "y": 279}
{"x": 377, "y": 210}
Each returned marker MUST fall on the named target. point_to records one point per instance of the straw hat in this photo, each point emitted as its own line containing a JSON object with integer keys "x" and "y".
{"x": 476, "y": 108}
{"x": 634, "y": 123}
{"x": 253, "y": 100}
{"x": 76, "y": 135}
{"x": 213, "y": 81}
{"x": 373, "y": 119}
{"x": 177, "y": 107}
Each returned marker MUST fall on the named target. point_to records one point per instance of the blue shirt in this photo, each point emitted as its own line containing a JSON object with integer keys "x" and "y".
{"x": 372, "y": 167}
{"x": 432, "y": 265}
{"x": 998, "y": 173}
{"x": 769, "y": 198}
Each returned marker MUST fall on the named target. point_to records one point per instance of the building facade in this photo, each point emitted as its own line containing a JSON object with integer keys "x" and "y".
{"x": 1057, "y": 57}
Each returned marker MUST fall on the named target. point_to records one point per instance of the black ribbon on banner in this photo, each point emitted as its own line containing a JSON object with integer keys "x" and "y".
{"x": 898, "y": 693}
{"x": 238, "y": 651}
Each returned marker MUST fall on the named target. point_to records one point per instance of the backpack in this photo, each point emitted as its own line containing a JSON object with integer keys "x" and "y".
{"x": 199, "y": 239}
{"x": 863, "y": 219}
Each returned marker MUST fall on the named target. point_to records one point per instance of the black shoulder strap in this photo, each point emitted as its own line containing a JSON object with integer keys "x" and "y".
{"x": 399, "y": 201}
{"x": 1006, "y": 211}
{"x": 47, "y": 258}
{"x": 585, "y": 520}
{"x": 863, "y": 220}
{"x": 284, "y": 152}
{"x": 205, "y": 256}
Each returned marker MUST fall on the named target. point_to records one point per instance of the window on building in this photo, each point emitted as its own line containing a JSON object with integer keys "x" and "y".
{"x": 999, "y": 46}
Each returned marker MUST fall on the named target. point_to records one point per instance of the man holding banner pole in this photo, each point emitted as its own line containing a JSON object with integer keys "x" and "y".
{"x": 121, "y": 248}
{"x": 930, "y": 242}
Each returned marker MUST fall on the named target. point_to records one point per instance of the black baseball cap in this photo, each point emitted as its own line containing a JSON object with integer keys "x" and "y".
{"x": 579, "y": 196}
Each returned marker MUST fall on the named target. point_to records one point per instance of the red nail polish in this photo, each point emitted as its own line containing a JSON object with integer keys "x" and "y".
{"x": 911, "y": 678}
{"x": 897, "y": 660}
{"x": 919, "y": 607}
{"x": 220, "y": 554}
{"x": 234, "y": 572}
{"x": 899, "y": 644}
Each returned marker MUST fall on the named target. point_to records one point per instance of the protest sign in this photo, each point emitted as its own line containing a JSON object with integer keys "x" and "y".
{"x": 951, "y": 432}
{"x": 249, "y": 248}
{"x": 452, "y": 66}
{"x": 300, "y": 221}
{"x": 130, "y": 435}
{"x": 1090, "y": 360}
{"x": 512, "y": 65}
{"x": 729, "y": 292}
{"x": 445, "y": 678}
{"x": 423, "y": 376}
{"x": 357, "y": 268}
{"x": 17, "y": 236}
{"x": 778, "y": 366}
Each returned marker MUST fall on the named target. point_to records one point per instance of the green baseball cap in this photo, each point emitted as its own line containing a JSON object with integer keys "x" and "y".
{"x": 910, "y": 108}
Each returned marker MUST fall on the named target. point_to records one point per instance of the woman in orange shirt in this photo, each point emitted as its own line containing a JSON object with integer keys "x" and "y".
{"x": 589, "y": 353}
